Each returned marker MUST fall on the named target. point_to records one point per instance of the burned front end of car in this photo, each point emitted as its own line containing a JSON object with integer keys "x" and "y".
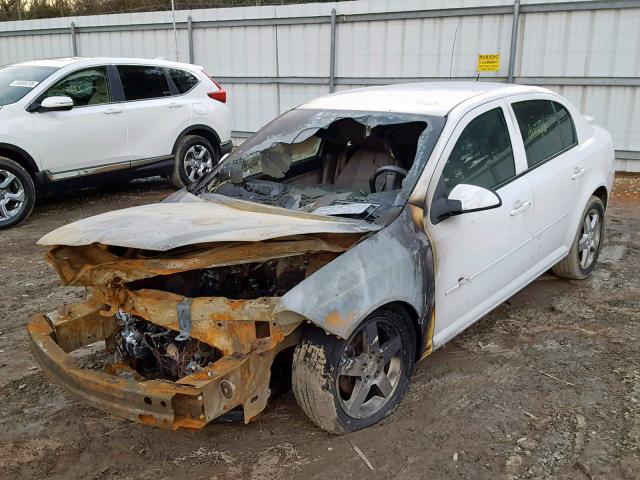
{"x": 184, "y": 335}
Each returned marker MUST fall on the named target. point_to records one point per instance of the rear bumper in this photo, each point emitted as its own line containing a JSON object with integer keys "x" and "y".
{"x": 191, "y": 402}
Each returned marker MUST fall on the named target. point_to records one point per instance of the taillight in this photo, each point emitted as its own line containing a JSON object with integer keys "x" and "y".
{"x": 220, "y": 95}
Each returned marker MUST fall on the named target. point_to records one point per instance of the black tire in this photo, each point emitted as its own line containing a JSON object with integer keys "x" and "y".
{"x": 14, "y": 211}
{"x": 319, "y": 387}
{"x": 573, "y": 266}
{"x": 183, "y": 173}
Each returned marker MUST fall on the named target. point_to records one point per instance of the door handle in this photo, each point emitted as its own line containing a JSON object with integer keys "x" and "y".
{"x": 520, "y": 207}
{"x": 112, "y": 110}
{"x": 577, "y": 173}
{"x": 175, "y": 105}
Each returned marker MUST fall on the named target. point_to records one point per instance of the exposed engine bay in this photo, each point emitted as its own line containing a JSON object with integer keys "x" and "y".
{"x": 159, "y": 353}
{"x": 361, "y": 166}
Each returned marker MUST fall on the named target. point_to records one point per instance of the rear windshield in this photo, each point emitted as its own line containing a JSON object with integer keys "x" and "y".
{"x": 18, "y": 80}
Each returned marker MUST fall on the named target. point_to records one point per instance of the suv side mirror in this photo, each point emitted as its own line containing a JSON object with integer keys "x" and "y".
{"x": 464, "y": 198}
{"x": 56, "y": 104}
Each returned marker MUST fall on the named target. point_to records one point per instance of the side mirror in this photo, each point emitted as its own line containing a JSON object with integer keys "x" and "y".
{"x": 464, "y": 199}
{"x": 56, "y": 104}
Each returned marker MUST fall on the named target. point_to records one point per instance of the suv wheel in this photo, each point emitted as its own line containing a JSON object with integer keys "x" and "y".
{"x": 17, "y": 193}
{"x": 195, "y": 157}
{"x": 586, "y": 245}
{"x": 346, "y": 385}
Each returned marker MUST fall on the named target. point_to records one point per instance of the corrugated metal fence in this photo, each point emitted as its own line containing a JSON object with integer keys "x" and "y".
{"x": 273, "y": 58}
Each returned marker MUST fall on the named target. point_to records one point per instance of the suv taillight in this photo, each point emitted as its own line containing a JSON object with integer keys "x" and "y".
{"x": 220, "y": 95}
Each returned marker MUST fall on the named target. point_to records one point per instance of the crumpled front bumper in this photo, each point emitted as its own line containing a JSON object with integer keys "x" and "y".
{"x": 191, "y": 402}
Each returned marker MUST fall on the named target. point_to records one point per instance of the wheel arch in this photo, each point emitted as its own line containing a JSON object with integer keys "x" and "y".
{"x": 602, "y": 193}
{"x": 21, "y": 157}
{"x": 202, "y": 130}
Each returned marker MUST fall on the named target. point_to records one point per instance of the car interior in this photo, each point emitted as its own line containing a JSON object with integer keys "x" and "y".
{"x": 346, "y": 169}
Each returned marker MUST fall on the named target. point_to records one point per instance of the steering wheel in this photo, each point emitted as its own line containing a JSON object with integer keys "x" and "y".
{"x": 385, "y": 169}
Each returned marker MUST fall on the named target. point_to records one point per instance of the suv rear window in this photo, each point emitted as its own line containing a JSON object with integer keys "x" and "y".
{"x": 546, "y": 128}
{"x": 184, "y": 81}
{"x": 143, "y": 82}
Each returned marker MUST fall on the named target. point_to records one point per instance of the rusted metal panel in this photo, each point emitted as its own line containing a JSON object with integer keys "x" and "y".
{"x": 228, "y": 325}
{"x": 93, "y": 265}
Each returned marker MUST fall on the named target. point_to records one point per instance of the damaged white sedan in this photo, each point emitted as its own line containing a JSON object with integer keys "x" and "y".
{"x": 343, "y": 242}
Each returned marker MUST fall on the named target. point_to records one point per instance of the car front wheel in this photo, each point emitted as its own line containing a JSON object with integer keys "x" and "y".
{"x": 582, "y": 257}
{"x": 346, "y": 385}
{"x": 17, "y": 193}
{"x": 195, "y": 158}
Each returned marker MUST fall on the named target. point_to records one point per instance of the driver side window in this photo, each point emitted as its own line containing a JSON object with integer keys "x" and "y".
{"x": 85, "y": 87}
{"x": 482, "y": 156}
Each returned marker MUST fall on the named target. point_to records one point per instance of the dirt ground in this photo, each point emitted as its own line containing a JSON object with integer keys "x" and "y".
{"x": 546, "y": 386}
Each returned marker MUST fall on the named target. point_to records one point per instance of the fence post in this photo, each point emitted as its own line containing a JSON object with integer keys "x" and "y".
{"x": 332, "y": 58}
{"x": 190, "y": 37}
{"x": 514, "y": 40}
{"x": 74, "y": 43}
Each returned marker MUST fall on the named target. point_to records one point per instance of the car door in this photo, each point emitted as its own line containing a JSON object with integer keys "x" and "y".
{"x": 481, "y": 257}
{"x": 555, "y": 168}
{"x": 89, "y": 136}
{"x": 155, "y": 116}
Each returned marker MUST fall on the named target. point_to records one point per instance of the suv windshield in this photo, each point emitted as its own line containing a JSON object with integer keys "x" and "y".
{"x": 18, "y": 80}
{"x": 331, "y": 162}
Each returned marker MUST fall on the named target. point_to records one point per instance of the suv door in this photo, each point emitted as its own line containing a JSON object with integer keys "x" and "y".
{"x": 155, "y": 117}
{"x": 92, "y": 134}
{"x": 481, "y": 257}
{"x": 555, "y": 170}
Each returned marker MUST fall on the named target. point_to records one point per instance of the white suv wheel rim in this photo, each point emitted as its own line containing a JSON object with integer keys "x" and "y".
{"x": 11, "y": 195}
{"x": 197, "y": 162}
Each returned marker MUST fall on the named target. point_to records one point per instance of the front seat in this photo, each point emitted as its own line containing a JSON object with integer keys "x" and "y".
{"x": 354, "y": 173}
{"x": 100, "y": 92}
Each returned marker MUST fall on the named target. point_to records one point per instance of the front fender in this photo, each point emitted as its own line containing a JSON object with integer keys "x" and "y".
{"x": 393, "y": 265}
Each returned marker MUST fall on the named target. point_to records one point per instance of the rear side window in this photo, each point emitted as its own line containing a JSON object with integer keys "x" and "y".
{"x": 546, "y": 128}
{"x": 143, "y": 82}
{"x": 482, "y": 155}
{"x": 567, "y": 128}
{"x": 184, "y": 81}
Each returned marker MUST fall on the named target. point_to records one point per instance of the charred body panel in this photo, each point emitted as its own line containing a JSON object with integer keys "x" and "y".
{"x": 396, "y": 265}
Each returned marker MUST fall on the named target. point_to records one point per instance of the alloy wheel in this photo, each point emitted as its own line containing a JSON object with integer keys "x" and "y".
{"x": 589, "y": 242}
{"x": 12, "y": 196}
{"x": 198, "y": 161}
{"x": 370, "y": 368}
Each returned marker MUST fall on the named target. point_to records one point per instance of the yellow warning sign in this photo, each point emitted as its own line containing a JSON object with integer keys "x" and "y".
{"x": 488, "y": 62}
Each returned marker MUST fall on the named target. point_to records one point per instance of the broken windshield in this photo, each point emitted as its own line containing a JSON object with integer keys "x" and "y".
{"x": 331, "y": 162}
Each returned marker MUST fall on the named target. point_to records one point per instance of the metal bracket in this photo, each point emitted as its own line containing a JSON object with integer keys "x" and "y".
{"x": 184, "y": 319}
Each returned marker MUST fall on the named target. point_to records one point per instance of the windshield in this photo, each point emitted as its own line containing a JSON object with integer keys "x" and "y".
{"x": 18, "y": 80}
{"x": 330, "y": 162}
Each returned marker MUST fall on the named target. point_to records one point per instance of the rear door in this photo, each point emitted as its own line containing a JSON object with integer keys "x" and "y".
{"x": 555, "y": 168}
{"x": 481, "y": 257}
{"x": 155, "y": 115}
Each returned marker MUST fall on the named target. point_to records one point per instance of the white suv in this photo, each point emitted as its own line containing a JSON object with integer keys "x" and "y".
{"x": 75, "y": 122}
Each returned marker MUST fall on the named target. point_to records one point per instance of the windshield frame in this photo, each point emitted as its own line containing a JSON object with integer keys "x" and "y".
{"x": 45, "y": 72}
{"x": 268, "y": 135}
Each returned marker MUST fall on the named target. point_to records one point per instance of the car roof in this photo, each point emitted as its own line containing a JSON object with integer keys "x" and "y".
{"x": 431, "y": 98}
{"x": 79, "y": 61}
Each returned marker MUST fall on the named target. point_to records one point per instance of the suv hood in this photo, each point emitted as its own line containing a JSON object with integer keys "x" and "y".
{"x": 192, "y": 220}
